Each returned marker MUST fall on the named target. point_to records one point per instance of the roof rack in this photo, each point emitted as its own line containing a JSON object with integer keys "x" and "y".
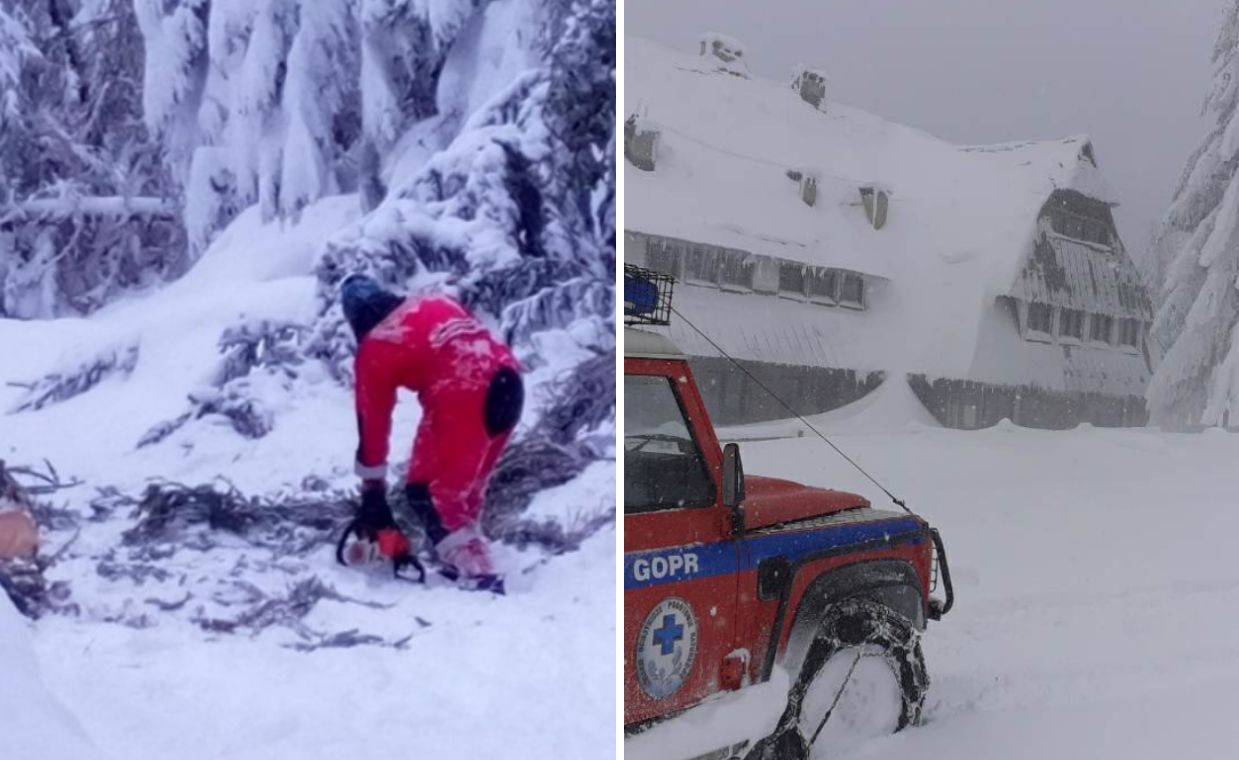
{"x": 647, "y": 296}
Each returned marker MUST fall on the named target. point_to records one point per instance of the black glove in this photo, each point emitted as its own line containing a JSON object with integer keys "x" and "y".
{"x": 373, "y": 515}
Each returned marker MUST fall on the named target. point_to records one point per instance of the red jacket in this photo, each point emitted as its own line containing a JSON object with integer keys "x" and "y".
{"x": 429, "y": 345}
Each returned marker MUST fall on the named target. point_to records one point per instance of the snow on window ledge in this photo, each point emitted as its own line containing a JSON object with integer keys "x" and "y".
{"x": 1038, "y": 336}
{"x": 1099, "y": 247}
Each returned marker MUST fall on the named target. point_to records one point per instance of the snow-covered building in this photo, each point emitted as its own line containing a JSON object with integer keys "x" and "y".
{"x": 827, "y": 250}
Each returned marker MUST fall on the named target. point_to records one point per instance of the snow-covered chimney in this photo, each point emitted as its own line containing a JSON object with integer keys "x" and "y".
{"x": 811, "y": 84}
{"x": 725, "y": 53}
{"x": 876, "y": 200}
{"x": 641, "y": 142}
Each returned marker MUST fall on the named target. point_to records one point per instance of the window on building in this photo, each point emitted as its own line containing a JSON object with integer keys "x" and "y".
{"x": 1080, "y": 227}
{"x": 1071, "y": 324}
{"x": 791, "y": 278}
{"x": 735, "y": 270}
{"x": 1096, "y": 231}
{"x": 662, "y": 257}
{"x": 701, "y": 266}
{"x": 1129, "y": 332}
{"x": 765, "y": 274}
{"x": 823, "y": 285}
{"x": 1040, "y": 317}
{"x": 1100, "y": 328}
{"x": 852, "y": 291}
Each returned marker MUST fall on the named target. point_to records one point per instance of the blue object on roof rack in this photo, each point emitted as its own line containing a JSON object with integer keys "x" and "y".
{"x": 640, "y": 295}
{"x": 647, "y": 296}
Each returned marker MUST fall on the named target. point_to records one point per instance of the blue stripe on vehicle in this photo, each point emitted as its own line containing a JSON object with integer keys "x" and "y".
{"x": 685, "y": 563}
{"x": 678, "y": 563}
{"x": 796, "y": 544}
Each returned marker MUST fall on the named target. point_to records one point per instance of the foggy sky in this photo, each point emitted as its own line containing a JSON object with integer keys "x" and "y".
{"x": 1131, "y": 73}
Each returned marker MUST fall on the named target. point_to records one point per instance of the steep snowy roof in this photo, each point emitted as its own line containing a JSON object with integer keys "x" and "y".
{"x": 1048, "y": 165}
{"x": 961, "y": 218}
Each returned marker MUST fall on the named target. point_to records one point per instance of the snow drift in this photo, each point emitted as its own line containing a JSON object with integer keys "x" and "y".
{"x": 33, "y": 723}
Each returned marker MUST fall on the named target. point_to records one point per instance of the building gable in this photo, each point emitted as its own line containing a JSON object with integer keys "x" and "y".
{"x": 1077, "y": 262}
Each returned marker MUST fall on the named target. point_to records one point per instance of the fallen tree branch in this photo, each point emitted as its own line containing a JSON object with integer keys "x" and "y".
{"x": 51, "y": 479}
{"x": 99, "y": 205}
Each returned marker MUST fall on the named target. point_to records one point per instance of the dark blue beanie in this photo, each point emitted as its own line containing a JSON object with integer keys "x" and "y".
{"x": 366, "y": 303}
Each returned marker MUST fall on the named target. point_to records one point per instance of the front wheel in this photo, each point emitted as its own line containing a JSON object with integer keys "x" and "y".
{"x": 863, "y": 676}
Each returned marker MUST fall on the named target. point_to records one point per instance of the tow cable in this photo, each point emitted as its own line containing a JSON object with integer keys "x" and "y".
{"x": 937, "y": 610}
{"x": 902, "y": 504}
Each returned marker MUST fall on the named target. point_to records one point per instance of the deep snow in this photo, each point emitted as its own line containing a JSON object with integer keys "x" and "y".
{"x": 454, "y": 673}
{"x": 530, "y": 675}
{"x": 33, "y": 723}
{"x": 1094, "y": 580}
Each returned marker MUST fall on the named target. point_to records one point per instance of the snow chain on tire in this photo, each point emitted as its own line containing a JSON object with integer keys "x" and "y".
{"x": 851, "y": 623}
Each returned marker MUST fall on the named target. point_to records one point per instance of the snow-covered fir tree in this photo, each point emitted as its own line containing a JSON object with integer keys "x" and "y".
{"x": 254, "y": 102}
{"x": 84, "y": 206}
{"x": 1195, "y": 264}
{"x": 477, "y": 136}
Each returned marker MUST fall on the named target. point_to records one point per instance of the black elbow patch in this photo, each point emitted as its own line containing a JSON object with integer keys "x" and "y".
{"x": 504, "y": 400}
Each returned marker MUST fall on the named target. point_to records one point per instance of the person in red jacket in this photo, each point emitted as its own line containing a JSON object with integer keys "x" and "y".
{"x": 471, "y": 394}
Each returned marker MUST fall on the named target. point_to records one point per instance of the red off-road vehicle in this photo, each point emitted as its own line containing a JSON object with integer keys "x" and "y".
{"x": 728, "y": 576}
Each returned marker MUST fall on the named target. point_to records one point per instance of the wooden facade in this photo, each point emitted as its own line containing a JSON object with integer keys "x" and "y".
{"x": 734, "y": 398}
{"x": 968, "y": 405}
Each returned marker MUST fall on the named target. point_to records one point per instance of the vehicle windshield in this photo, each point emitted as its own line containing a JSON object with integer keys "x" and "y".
{"x": 663, "y": 465}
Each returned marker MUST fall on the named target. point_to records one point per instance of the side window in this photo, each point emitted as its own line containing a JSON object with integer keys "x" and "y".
{"x": 1100, "y": 327}
{"x": 822, "y": 284}
{"x": 1040, "y": 317}
{"x": 1071, "y": 324}
{"x": 791, "y": 278}
{"x": 661, "y": 257}
{"x": 663, "y": 465}
{"x": 853, "y": 291}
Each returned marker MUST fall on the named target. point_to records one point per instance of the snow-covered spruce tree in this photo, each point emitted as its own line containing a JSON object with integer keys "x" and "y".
{"x": 1196, "y": 256}
{"x": 507, "y": 201}
{"x": 281, "y": 102}
{"x": 83, "y": 209}
{"x": 516, "y": 215}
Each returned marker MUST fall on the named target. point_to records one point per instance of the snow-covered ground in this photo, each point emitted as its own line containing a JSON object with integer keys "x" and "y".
{"x": 376, "y": 668}
{"x": 1094, "y": 574}
{"x": 34, "y": 723}
{"x": 529, "y": 675}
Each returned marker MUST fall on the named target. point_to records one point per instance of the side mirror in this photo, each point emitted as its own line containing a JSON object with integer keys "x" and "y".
{"x": 733, "y": 485}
